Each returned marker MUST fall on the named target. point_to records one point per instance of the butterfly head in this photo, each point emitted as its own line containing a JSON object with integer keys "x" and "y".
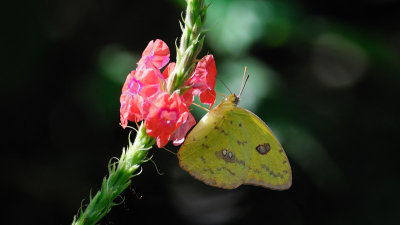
{"x": 232, "y": 98}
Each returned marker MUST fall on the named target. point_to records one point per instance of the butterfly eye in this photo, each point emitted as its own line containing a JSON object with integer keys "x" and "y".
{"x": 230, "y": 155}
{"x": 224, "y": 152}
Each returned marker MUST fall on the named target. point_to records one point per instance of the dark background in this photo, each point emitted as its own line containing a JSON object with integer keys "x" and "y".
{"x": 324, "y": 76}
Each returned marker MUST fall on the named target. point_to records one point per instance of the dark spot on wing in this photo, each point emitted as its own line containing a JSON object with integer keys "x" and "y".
{"x": 241, "y": 162}
{"x": 224, "y": 168}
{"x": 205, "y": 146}
{"x": 265, "y": 167}
{"x": 224, "y": 132}
{"x": 263, "y": 148}
{"x": 232, "y": 173}
{"x": 271, "y": 172}
{"x": 241, "y": 142}
{"x": 208, "y": 169}
{"x": 226, "y": 155}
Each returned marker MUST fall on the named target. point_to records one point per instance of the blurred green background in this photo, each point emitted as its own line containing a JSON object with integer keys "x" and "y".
{"x": 324, "y": 77}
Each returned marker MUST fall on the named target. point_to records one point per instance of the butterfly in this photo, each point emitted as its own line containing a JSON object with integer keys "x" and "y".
{"x": 231, "y": 146}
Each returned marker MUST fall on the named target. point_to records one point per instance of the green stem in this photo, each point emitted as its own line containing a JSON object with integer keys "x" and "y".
{"x": 191, "y": 44}
{"x": 120, "y": 173}
{"x": 118, "y": 180}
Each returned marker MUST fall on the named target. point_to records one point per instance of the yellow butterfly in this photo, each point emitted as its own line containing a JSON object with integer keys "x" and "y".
{"x": 231, "y": 146}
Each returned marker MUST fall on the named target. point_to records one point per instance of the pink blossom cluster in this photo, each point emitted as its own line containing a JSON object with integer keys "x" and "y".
{"x": 144, "y": 95}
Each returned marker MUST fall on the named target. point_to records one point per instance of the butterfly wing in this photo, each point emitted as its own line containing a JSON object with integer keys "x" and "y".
{"x": 231, "y": 146}
{"x": 208, "y": 154}
{"x": 268, "y": 165}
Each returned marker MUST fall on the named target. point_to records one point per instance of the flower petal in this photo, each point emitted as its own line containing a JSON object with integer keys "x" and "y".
{"x": 208, "y": 97}
{"x": 163, "y": 115}
{"x": 151, "y": 81}
{"x": 157, "y": 52}
{"x": 188, "y": 96}
{"x": 178, "y": 136}
{"x": 140, "y": 86}
{"x": 168, "y": 70}
{"x": 131, "y": 108}
{"x": 207, "y": 70}
{"x": 203, "y": 81}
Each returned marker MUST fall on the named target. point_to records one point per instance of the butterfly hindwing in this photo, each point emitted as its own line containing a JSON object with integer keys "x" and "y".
{"x": 269, "y": 166}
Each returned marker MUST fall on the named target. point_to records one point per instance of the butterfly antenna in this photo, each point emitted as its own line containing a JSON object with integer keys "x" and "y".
{"x": 219, "y": 93}
{"x": 225, "y": 85}
{"x": 243, "y": 81}
{"x": 244, "y": 74}
{"x": 248, "y": 76}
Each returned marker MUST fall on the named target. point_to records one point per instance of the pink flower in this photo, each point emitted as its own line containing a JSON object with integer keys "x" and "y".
{"x": 167, "y": 117}
{"x": 188, "y": 96}
{"x": 140, "y": 86}
{"x": 157, "y": 53}
{"x": 203, "y": 81}
{"x": 164, "y": 114}
{"x": 168, "y": 70}
{"x": 204, "y": 74}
